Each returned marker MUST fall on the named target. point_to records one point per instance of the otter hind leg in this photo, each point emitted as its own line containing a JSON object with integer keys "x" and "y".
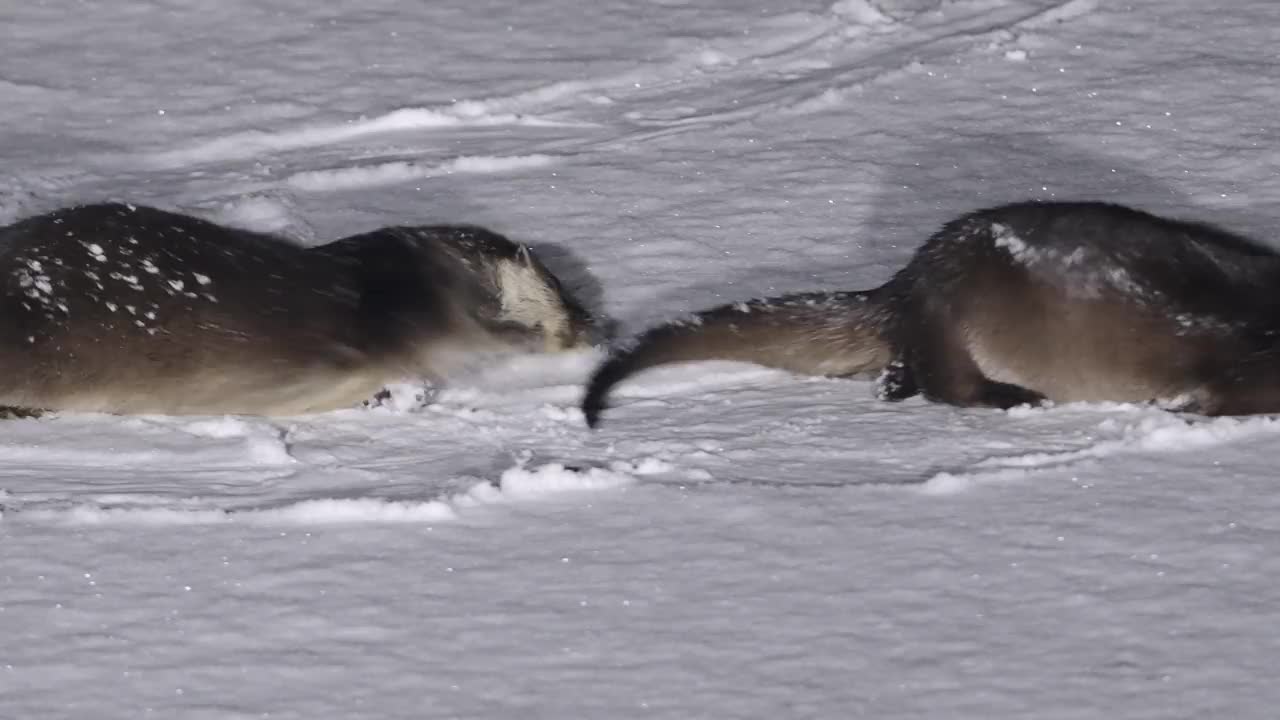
{"x": 896, "y": 383}
{"x": 940, "y": 363}
{"x": 1251, "y": 390}
{"x": 1006, "y": 395}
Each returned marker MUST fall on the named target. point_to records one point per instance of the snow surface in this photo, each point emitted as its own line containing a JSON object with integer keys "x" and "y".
{"x": 734, "y": 542}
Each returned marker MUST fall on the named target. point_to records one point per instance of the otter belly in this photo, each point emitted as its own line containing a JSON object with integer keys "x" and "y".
{"x": 103, "y": 384}
{"x": 1089, "y": 350}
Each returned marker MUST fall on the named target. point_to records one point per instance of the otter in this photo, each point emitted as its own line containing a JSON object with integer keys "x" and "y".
{"x": 1020, "y": 304}
{"x": 122, "y": 308}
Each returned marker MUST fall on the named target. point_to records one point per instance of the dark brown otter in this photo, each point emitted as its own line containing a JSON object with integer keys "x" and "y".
{"x": 1017, "y": 304}
{"x": 129, "y": 309}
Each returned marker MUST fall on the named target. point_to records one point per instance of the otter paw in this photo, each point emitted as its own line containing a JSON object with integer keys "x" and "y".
{"x": 896, "y": 383}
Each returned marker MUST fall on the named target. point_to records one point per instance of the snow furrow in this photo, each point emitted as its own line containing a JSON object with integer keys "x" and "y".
{"x": 255, "y": 143}
{"x": 1162, "y": 434}
{"x": 388, "y": 173}
{"x": 515, "y": 484}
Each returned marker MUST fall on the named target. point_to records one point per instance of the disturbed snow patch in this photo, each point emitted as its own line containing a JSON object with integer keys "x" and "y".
{"x": 252, "y": 143}
{"x": 264, "y": 443}
{"x": 1162, "y": 434}
{"x": 269, "y": 211}
{"x": 517, "y": 483}
{"x": 85, "y": 440}
{"x": 523, "y": 483}
{"x": 389, "y": 173}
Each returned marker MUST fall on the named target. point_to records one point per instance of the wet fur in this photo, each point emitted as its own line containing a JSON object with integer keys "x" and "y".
{"x": 130, "y": 309}
{"x": 1022, "y": 303}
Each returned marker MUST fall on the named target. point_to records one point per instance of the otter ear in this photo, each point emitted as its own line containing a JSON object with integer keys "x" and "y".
{"x": 526, "y": 257}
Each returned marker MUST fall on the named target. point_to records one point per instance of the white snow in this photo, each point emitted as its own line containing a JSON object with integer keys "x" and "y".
{"x": 733, "y": 542}
{"x": 403, "y": 171}
{"x": 516, "y": 483}
{"x": 252, "y": 143}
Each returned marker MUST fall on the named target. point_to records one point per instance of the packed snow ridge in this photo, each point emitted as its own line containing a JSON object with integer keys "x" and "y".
{"x": 253, "y": 143}
{"x": 516, "y": 483}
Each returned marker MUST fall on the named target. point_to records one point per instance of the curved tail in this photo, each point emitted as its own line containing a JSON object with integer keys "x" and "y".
{"x": 839, "y": 333}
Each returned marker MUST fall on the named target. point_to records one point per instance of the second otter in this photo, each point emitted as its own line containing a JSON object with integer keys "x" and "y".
{"x": 1017, "y": 304}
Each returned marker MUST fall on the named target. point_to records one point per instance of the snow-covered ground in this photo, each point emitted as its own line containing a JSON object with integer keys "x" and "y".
{"x": 734, "y": 542}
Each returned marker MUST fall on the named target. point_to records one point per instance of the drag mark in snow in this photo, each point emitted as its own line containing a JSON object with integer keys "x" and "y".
{"x": 253, "y": 143}
{"x": 517, "y": 483}
{"x": 228, "y": 443}
{"x": 1069, "y": 10}
{"x": 402, "y": 171}
{"x": 928, "y": 40}
{"x": 796, "y": 47}
{"x": 1165, "y": 434}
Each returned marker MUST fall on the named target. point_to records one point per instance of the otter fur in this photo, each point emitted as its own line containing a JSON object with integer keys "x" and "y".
{"x": 122, "y": 308}
{"x": 1018, "y": 304}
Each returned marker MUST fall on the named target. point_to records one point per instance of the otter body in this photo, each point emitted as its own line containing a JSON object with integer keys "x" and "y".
{"x": 130, "y": 309}
{"x": 1019, "y": 304}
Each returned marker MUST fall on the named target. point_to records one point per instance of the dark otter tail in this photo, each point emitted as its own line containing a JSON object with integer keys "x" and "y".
{"x": 838, "y": 334}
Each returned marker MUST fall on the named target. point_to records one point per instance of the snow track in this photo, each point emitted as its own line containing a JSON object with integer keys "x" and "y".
{"x": 783, "y": 64}
{"x": 1151, "y": 436}
{"x": 518, "y": 483}
{"x": 254, "y": 144}
{"x": 704, "y": 427}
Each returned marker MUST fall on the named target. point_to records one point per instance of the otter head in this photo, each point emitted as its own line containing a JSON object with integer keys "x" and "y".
{"x": 517, "y": 298}
{"x": 532, "y": 297}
